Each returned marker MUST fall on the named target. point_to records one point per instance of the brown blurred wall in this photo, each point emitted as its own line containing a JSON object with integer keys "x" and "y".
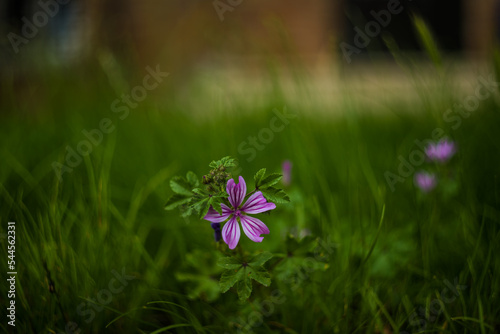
{"x": 479, "y": 27}
{"x": 181, "y": 33}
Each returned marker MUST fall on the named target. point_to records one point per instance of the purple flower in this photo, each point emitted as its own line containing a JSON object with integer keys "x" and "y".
{"x": 425, "y": 181}
{"x": 442, "y": 151}
{"x": 252, "y": 227}
{"x": 287, "y": 172}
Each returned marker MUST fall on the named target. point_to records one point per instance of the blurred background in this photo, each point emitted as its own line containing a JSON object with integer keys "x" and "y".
{"x": 187, "y": 33}
{"x": 232, "y": 41}
{"x": 103, "y": 102}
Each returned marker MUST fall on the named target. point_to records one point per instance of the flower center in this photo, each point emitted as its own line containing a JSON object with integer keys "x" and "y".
{"x": 238, "y": 213}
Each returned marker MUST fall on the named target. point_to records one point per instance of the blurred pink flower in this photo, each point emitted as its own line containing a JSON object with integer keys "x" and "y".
{"x": 287, "y": 172}
{"x": 425, "y": 181}
{"x": 442, "y": 151}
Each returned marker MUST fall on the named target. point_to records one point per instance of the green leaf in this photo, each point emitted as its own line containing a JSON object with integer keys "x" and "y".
{"x": 181, "y": 186}
{"x": 187, "y": 212}
{"x": 176, "y": 200}
{"x": 229, "y": 278}
{"x": 229, "y": 263}
{"x": 199, "y": 191}
{"x": 259, "y": 176}
{"x": 193, "y": 179}
{"x": 224, "y": 162}
{"x": 201, "y": 206}
{"x": 275, "y": 195}
{"x": 204, "y": 210}
{"x": 215, "y": 202}
{"x": 260, "y": 275}
{"x": 270, "y": 180}
{"x": 200, "y": 203}
{"x": 228, "y": 162}
{"x": 260, "y": 259}
{"x": 197, "y": 272}
{"x": 244, "y": 288}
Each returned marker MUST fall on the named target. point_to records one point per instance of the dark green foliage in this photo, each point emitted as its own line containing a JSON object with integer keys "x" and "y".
{"x": 241, "y": 272}
{"x": 335, "y": 268}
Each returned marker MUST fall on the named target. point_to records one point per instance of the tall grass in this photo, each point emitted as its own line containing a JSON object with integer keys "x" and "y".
{"x": 392, "y": 253}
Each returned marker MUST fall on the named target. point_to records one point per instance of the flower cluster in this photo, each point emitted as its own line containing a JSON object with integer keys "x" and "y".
{"x": 440, "y": 153}
{"x": 215, "y": 179}
{"x": 218, "y": 198}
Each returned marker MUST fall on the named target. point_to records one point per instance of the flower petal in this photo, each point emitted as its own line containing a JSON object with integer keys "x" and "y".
{"x": 226, "y": 209}
{"x": 257, "y": 204}
{"x": 236, "y": 192}
{"x": 253, "y": 228}
{"x": 215, "y": 217}
{"x": 231, "y": 233}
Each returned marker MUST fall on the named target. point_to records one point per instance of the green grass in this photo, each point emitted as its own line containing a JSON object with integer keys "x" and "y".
{"x": 388, "y": 254}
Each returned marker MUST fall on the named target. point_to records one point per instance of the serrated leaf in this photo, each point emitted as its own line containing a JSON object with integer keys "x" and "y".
{"x": 176, "y": 200}
{"x": 260, "y": 259}
{"x": 201, "y": 206}
{"x": 204, "y": 210}
{"x": 199, "y": 191}
{"x": 181, "y": 186}
{"x": 229, "y": 278}
{"x": 226, "y": 162}
{"x": 229, "y": 263}
{"x": 199, "y": 203}
{"x": 259, "y": 176}
{"x": 244, "y": 287}
{"x": 260, "y": 275}
{"x": 269, "y": 181}
{"x": 192, "y": 179}
{"x": 215, "y": 203}
{"x": 275, "y": 195}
